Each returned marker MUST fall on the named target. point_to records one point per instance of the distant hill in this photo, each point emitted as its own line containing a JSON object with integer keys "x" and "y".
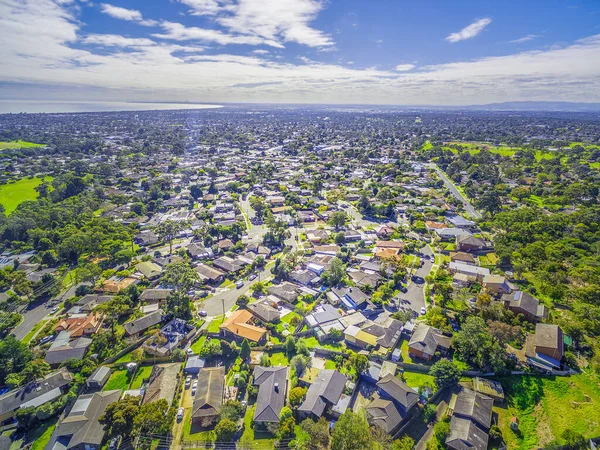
{"x": 539, "y": 106}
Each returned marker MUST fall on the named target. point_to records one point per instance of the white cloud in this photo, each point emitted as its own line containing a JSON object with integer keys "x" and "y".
{"x": 469, "y": 31}
{"x": 179, "y": 32}
{"x": 131, "y": 15}
{"x": 405, "y": 67}
{"x": 260, "y": 52}
{"x": 272, "y": 20}
{"x": 529, "y": 37}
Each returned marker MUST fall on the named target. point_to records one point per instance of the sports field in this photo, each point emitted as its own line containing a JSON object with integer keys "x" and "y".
{"x": 18, "y": 144}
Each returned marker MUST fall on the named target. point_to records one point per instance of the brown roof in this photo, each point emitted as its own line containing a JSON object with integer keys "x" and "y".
{"x": 238, "y": 324}
{"x": 547, "y": 335}
{"x": 209, "y": 395}
{"x": 390, "y": 244}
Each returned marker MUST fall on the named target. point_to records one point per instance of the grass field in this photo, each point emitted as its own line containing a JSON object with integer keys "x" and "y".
{"x": 197, "y": 346}
{"x": 255, "y": 440}
{"x": 142, "y": 374}
{"x": 546, "y": 407}
{"x": 279, "y": 359}
{"x": 18, "y": 144}
{"x": 119, "y": 379}
{"x": 416, "y": 380}
{"x": 13, "y": 194}
{"x": 213, "y": 326}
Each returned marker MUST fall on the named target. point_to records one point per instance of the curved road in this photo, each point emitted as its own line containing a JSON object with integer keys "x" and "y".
{"x": 468, "y": 207}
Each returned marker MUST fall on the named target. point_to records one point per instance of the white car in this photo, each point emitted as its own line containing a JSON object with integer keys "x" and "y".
{"x": 194, "y": 386}
{"x": 188, "y": 381}
{"x": 423, "y": 311}
{"x": 189, "y": 351}
{"x": 180, "y": 414}
{"x": 252, "y": 277}
{"x": 54, "y": 310}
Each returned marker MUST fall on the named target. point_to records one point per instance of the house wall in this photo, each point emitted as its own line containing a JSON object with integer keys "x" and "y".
{"x": 419, "y": 354}
{"x": 551, "y": 352}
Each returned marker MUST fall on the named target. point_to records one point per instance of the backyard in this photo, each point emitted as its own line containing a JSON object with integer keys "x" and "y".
{"x": 119, "y": 379}
{"x": 142, "y": 374}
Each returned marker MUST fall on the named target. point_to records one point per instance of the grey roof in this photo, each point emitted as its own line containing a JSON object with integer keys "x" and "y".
{"x": 328, "y": 314}
{"x": 387, "y": 330}
{"x": 550, "y": 336}
{"x": 526, "y": 302}
{"x": 195, "y": 362}
{"x": 466, "y": 435}
{"x": 353, "y": 293}
{"x": 425, "y": 339}
{"x": 155, "y": 294}
{"x": 286, "y": 291}
{"x": 145, "y": 322}
{"x": 63, "y": 349}
{"x": 264, "y": 312}
{"x": 390, "y": 386}
{"x": 81, "y": 426}
{"x": 100, "y": 375}
{"x": 475, "y": 406}
{"x": 209, "y": 393}
{"x": 327, "y": 387}
{"x": 272, "y": 385}
{"x": 35, "y": 393}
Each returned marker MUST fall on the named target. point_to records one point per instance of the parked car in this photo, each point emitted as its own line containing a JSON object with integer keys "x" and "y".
{"x": 203, "y": 314}
{"x": 188, "y": 381}
{"x": 239, "y": 284}
{"x": 179, "y": 414}
{"x": 423, "y": 310}
{"x": 189, "y": 351}
{"x": 54, "y": 310}
{"x": 418, "y": 280}
{"x": 252, "y": 277}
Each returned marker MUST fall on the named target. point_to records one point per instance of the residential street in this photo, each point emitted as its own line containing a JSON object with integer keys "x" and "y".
{"x": 468, "y": 207}
{"x": 414, "y": 298}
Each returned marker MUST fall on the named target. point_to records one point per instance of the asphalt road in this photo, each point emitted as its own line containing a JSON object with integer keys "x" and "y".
{"x": 35, "y": 312}
{"x": 468, "y": 207}
{"x": 414, "y": 298}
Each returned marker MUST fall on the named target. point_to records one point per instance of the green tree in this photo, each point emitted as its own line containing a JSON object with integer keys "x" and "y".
{"x": 429, "y": 412}
{"x": 245, "y": 350}
{"x": 445, "y": 373}
{"x": 180, "y": 276}
{"x": 490, "y": 202}
{"x": 167, "y": 231}
{"x": 318, "y": 433}
{"x": 179, "y": 305}
{"x": 297, "y": 396}
{"x": 336, "y": 272}
{"x": 225, "y": 430}
{"x": 290, "y": 345}
{"x": 118, "y": 418}
{"x": 351, "y": 432}
{"x": 360, "y": 363}
{"x": 338, "y": 219}
{"x": 404, "y": 443}
{"x": 154, "y": 418}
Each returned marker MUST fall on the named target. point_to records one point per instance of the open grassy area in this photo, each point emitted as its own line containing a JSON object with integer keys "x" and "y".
{"x": 142, "y": 374}
{"x": 213, "y": 326}
{"x": 416, "y": 380}
{"x": 312, "y": 342}
{"x": 197, "y": 346}
{"x": 18, "y": 144}
{"x": 546, "y": 407}
{"x": 279, "y": 359}
{"x": 13, "y": 194}
{"x": 251, "y": 439}
{"x": 119, "y": 379}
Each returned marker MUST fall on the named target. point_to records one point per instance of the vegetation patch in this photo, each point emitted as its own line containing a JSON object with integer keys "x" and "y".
{"x": 141, "y": 375}
{"x": 119, "y": 379}
{"x": 18, "y": 144}
{"x": 13, "y": 194}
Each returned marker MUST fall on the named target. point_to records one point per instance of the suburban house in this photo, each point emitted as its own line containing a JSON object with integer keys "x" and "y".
{"x": 240, "y": 326}
{"x": 64, "y": 348}
{"x": 491, "y": 388}
{"x": 546, "y": 348}
{"x": 476, "y": 272}
{"x": 88, "y": 302}
{"x": 34, "y": 394}
{"x": 174, "y": 334}
{"x": 470, "y": 244}
{"x": 426, "y": 340}
{"x": 323, "y": 393}
{"x": 209, "y": 396}
{"x": 272, "y": 393}
{"x": 285, "y": 291}
{"x": 138, "y": 326}
{"x": 161, "y": 383}
{"x": 462, "y": 257}
{"x": 80, "y": 326}
{"x": 521, "y": 302}
{"x": 155, "y": 295}
{"x": 471, "y": 420}
{"x": 391, "y": 404}
{"x": 210, "y": 274}
{"x": 356, "y": 337}
{"x": 263, "y": 311}
{"x": 81, "y": 430}
{"x": 351, "y": 297}
{"x": 149, "y": 269}
{"x": 496, "y": 284}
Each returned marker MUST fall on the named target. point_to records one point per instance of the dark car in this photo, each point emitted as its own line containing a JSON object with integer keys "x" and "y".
{"x": 418, "y": 280}
{"x": 403, "y": 289}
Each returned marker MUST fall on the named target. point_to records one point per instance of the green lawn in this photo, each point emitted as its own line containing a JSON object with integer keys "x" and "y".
{"x": 197, "y": 346}
{"x": 119, "y": 379}
{"x": 41, "y": 434}
{"x": 13, "y": 194}
{"x": 329, "y": 364}
{"x": 29, "y": 336}
{"x": 279, "y": 359}
{"x": 259, "y": 440}
{"x": 213, "y": 326}
{"x": 18, "y": 144}
{"x": 312, "y": 342}
{"x": 195, "y": 433}
{"x": 416, "y": 380}
{"x": 142, "y": 374}
{"x": 546, "y": 407}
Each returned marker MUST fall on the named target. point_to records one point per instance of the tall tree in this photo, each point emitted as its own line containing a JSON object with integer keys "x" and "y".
{"x": 351, "y": 432}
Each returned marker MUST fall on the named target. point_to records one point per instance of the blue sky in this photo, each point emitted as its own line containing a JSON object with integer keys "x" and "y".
{"x": 315, "y": 51}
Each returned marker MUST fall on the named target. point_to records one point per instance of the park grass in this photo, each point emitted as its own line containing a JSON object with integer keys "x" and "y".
{"x": 548, "y": 406}
{"x": 18, "y": 144}
{"x": 13, "y": 194}
{"x": 197, "y": 346}
{"x": 252, "y": 439}
{"x": 141, "y": 375}
{"x": 119, "y": 379}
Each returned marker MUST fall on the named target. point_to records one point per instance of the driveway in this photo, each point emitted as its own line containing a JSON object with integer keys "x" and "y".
{"x": 414, "y": 298}
{"x": 468, "y": 207}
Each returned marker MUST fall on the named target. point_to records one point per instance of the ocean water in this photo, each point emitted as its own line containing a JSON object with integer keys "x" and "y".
{"x": 44, "y": 106}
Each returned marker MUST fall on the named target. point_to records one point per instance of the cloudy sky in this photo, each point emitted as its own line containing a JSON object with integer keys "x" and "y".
{"x": 403, "y": 52}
